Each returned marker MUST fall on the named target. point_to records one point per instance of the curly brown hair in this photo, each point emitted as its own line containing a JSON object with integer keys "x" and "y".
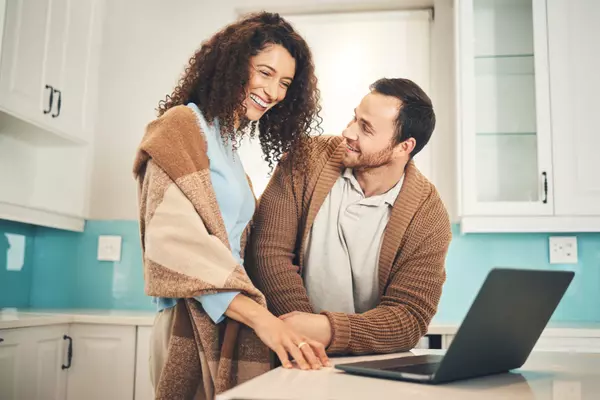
{"x": 217, "y": 75}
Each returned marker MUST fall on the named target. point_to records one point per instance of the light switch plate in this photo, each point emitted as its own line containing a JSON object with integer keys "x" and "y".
{"x": 109, "y": 248}
{"x": 563, "y": 250}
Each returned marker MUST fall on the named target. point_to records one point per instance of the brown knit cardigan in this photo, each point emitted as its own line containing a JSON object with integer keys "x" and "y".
{"x": 411, "y": 260}
{"x": 186, "y": 253}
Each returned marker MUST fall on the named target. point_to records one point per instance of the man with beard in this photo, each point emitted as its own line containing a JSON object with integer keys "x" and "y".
{"x": 350, "y": 248}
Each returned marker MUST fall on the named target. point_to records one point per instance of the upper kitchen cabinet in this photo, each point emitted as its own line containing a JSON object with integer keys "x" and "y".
{"x": 504, "y": 132}
{"x": 573, "y": 33}
{"x": 526, "y": 85}
{"x": 49, "y": 66}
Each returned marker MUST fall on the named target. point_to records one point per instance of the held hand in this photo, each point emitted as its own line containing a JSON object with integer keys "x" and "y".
{"x": 277, "y": 335}
{"x": 284, "y": 341}
{"x": 314, "y": 326}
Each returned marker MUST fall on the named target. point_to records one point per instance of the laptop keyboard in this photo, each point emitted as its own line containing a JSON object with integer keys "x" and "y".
{"x": 420, "y": 369}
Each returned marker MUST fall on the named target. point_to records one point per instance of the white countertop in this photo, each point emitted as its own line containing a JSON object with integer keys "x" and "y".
{"x": 553, "y": 329}
{"x": 556, "y": 376}
{"x": 18, "y": 318}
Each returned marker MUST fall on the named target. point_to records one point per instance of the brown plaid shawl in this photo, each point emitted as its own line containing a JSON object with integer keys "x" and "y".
{"x": 186, "y": 253}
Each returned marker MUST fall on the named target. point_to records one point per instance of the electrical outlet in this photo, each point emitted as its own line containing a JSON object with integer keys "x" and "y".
{"x": 109, "y": 248}
{"x": 563, "y": 250}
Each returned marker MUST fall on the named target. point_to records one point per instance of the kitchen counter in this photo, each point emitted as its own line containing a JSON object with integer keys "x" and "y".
{"x": 18, "y": 318}
{"x": 553, "y": 329}
{"x": 556, "y": 376}
{"x": 553, "y": 375}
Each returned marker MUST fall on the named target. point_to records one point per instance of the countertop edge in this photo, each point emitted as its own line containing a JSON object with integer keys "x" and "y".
{"x": 589, "y": 331}
{"x": 45, "y": 320}
{"x": 24, "y": 319}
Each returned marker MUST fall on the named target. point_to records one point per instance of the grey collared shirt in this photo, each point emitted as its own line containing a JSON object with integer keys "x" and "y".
{"x": 342, "y": 251}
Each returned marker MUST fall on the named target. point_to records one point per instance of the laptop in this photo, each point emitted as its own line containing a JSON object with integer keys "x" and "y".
{"x": 497, "y": 335}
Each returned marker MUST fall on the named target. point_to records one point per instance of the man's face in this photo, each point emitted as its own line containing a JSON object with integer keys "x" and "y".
{"x": 370, "y": 133}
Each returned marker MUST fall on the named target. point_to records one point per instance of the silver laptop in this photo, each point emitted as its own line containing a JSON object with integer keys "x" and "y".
{"x": 503, "y": 324}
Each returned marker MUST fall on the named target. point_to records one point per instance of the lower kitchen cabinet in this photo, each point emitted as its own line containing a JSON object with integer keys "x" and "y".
{"x": 103, "y": 363}
{"x": 69, "y": 361}
{"x": 31, "y": 361}
{"x": 143, "y": 386}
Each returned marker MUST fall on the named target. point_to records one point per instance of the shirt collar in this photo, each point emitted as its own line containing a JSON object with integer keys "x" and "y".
{"x": 388, "y": 197}
{"x": 392, "y": 194}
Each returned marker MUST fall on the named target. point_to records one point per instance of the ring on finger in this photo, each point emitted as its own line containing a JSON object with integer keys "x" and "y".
{"x": 301, "y": 344}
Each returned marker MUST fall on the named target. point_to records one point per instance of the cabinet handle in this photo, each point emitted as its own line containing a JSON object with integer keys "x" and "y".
{"x": 50, "y": 100}
{"x": 545, "y": 199}
{"x": 59, "y": 103}
{"x": 69, "y": 352}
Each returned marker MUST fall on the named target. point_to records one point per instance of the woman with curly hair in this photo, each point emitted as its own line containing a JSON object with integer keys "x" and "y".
{"x": 213, "y": 330}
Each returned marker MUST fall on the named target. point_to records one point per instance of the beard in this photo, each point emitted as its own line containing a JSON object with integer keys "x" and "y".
{"x": 364, "y": 161}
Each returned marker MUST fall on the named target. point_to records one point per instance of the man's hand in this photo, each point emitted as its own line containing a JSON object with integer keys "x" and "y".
{"x": 314, "y": 326}
{"x": 277, "y": 335}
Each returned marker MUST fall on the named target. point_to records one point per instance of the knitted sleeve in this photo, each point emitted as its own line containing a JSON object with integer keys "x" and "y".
{"x": 272, "y": 246}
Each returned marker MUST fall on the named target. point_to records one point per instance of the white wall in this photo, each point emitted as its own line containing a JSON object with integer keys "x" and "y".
{"x": 142, "y": 60}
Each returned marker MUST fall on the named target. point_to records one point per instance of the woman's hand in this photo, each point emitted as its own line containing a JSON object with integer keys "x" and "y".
{"x": 278, "y": 336}
{"x": 314, "y": 326}
{"x": 284, "y": 341}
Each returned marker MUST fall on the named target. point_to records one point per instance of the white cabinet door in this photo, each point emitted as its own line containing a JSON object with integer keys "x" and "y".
{"x": 48, "y": 355}
{"x": 72, "y": 66}
{"x": 23, "y": 90}
{"x": 12, "y": 359}
{"x": 503, "y": 108}
{"x": 573, "y": 32}
{"x": 50, "y": 62}
{"x": 143, "y": 385}
{"x": 31, "y": 361}
{"x": 103, "y": 362}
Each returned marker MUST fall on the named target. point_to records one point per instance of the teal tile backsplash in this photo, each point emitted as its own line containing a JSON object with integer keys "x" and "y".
{"x": 68, "y": 274}
{"x": 16, "y": 263}
{"x": 60, "y": 270}
{"x": 56, "y": 262}
{"x": 472, "y": 256}
{"x": 105, "y": 284}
